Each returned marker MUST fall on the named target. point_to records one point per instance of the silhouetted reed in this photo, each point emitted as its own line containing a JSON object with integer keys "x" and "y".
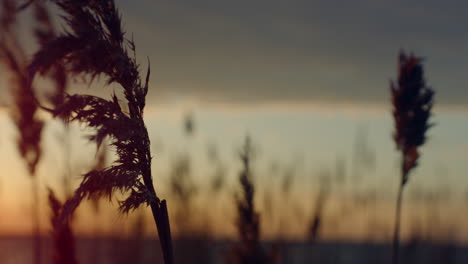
{"x": 412, "y": 104}
{"x": 24, "y": 109}
{"x": 94, "y": 45}
{"x": 218, "y": 178}
{"x": 320, "y": 203}
{"x": 62, "y": 235}
{"x": 100, "y": 163}
{"x": 183, "y": 189}
{"x": 364, "y": 156}
{"x": 189, "y": 124}
{"x": 317, "y": 216}
{"x": 249, "y": 249}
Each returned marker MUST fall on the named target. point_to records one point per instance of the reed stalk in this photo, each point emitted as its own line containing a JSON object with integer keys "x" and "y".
{"x": 412, "y": 105}
{"x": 94, "y": 45}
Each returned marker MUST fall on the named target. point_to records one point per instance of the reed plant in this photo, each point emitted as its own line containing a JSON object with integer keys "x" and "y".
{"x": 100, "y": 163}
{"x": 24, "y": 111}
{"x": 62, "y": 235}
{"x": 249, "y": 250}
{"x": 94, "y": 45}
{"x": 412, "y": 104}
{"x": 183, "y": 190}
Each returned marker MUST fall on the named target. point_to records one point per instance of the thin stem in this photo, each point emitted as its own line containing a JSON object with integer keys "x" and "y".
{"x": 67, "y": 160}
{"x": 36, "y": 225}
{"x": 158, "y": 207}
{"x": 159, "y": 210}
{"x": 396, "y": 234}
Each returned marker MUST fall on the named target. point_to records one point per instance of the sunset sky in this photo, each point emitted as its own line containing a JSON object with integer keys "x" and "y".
{"x": 305, "y": 79}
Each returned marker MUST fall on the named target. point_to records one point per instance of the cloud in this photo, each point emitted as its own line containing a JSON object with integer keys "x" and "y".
{"x": 308, "y": 50}
{"x": 305, "y": 51}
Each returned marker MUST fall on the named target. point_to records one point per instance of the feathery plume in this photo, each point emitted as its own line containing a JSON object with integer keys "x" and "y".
{"x": 94, "y": 45}
{"x": 24, "y": 108}
{"x": 412, "y": 104}
{"x": 249, "y": 250}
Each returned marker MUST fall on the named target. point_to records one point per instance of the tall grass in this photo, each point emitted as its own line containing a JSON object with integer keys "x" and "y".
{"x": 183, "y": 190}
{"x": 100, "y": 163}
{"x": 13, "y": 56}
{"x": 249, "y": 250}
{"x": 317, "y": 216}
{"x": 94, "y": 45}
{"x": 412, "y": 105}
{"x": 62, "y": 235}
{"x": 182, "y": 186}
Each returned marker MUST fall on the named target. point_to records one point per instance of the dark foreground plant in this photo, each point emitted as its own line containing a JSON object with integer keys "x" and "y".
{"x": 95, "y": 45}
{"x": 412, "y": 105}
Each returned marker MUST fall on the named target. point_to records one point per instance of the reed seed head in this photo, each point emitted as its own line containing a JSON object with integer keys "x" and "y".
{"x": 24, "y": 108}
{"x": 94, "y": 45}
{"x": 412, "y": 105}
